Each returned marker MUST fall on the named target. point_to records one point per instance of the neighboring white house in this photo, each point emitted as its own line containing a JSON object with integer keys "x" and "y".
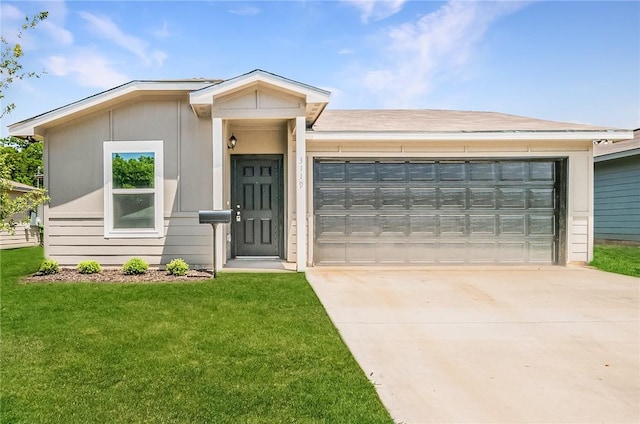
{"x": 26, "y": 232}
{"x": 308, "y": 184}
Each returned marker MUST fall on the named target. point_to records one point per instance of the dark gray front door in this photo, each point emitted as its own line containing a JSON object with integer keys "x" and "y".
{"x": 257, "y": 205}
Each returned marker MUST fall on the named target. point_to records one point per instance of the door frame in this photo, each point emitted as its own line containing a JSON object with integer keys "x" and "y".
{"x": 280, "y": 193}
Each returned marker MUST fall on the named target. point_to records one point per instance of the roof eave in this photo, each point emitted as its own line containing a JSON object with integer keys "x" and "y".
{"x": 611, "y": 135}
{"x": 29, "y": 127}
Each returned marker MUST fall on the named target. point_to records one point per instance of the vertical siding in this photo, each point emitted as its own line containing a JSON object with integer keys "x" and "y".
{"x": 617, "y": 199}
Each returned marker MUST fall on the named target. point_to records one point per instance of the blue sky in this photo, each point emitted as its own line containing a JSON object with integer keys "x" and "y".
{"x": 567, "y": 61}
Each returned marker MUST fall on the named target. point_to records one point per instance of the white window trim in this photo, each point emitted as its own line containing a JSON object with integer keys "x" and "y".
{"x": 151, "y": 146}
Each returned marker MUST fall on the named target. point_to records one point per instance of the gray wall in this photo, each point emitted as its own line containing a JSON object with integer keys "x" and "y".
{"x": 617, "y": 199}
{"x": 74, "y": 162}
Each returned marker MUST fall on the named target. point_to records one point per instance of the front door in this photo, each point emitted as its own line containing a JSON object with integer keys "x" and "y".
{"x": 257, "y": 203}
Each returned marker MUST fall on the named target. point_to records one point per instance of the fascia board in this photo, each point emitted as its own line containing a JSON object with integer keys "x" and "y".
{"x": 617, "y": 155}
{"x": 206, "y": 95}
{"x": 27, "y": 127}
{"x": 481, "y": 136}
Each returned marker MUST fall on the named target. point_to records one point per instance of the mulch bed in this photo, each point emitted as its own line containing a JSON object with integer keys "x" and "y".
{"x": 71, "y": 275}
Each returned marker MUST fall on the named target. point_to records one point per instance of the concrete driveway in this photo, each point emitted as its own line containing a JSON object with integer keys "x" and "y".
{"x": 551, "y": 345}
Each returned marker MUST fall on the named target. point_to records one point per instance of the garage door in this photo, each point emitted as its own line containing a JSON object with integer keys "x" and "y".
{"x": 436, "y": 212}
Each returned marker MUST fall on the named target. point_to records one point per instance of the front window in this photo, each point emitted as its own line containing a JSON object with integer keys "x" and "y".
{"x": 133, "y": 189}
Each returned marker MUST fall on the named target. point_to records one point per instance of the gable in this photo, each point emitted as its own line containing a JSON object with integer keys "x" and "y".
{"x": 258, "y": 102}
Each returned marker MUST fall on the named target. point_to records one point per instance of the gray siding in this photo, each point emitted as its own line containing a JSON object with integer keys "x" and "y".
{"x": 617, "y": 199}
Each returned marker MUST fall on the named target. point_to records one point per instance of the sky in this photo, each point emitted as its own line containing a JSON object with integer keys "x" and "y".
{"x": 567, "y": 61}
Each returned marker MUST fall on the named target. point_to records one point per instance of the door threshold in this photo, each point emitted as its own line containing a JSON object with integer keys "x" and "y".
{"x": 258, "y": 264}
{"x": 258, "y": 258}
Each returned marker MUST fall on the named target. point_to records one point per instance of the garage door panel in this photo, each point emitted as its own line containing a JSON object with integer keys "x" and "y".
{"x": 392, "y": 172}
{"x": 542, "y": 198}
{"x": 452, "y": 225}
{"x": 514, "y": 251}
{"x": 394, "y": 225}
{"x": 331, "y": 198}
{"x": 452, "y": 252}
{"x": 513, "y": 171}
{"x": 363, "y": 253}
{"x": 482, "y": 252}
{"x": 541, "y": 171}
{"x": 482, "y": 225}
{"x": 421, "y": 171}
{"x": 452, "y": 198}
{"x": 452, "y": 171}
{"x": 393, "y": 198}
{"x": 362, "y": 198}
{"x": 512, "y": 198}
{"x": 422, "y": 198}
{"x": 362, "y": 225}
{"x": 435, "y": 212}
{"x": 482, "y": 171}
{"x": 514, "y": 225}
{"x": 423, "y": 225}
{"x": 541, "y": 225}
{"x": 362, "y": 172}
{"x": 482, "y": 198}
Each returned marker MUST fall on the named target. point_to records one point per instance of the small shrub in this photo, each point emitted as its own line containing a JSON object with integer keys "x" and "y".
{"x": 49, "y": 266}
{"x": 178, "y": 267}
{"x": 135, "y": 266}
{"x": 89, "y": 267}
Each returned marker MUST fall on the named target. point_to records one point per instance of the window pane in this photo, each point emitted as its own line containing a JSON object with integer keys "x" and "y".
{"x": 133, "y": 170}
{"x": 133, "y": 211}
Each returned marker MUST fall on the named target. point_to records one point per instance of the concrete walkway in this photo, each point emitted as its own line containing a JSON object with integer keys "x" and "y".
{"x": 553, "y": 345}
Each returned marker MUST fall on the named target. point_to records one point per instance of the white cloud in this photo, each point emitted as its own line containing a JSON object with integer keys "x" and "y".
{"x": 106, "y": 28}
{"x": 10, "y": 12}
{"x": 437, "y": 43}
{"x": 162, "y": 32}
{"x": 376, "y": 10}
{"x": 57, "y": 33}
{"x": 89, "y": 68}
{"x": 245, "y": 11}
{"x": 54, "y": 25}
{"x": 345, "y": 51}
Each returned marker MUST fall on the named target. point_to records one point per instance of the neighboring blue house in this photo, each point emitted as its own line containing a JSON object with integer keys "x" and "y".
{"x": 617, "y": 191}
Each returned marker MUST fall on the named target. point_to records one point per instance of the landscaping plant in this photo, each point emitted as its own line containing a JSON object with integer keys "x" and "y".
{"x": 178, "y": 267}
{"x": 89, "y": 267}
{"x": 49, "y": 266}
{"x": 135, "y": 266}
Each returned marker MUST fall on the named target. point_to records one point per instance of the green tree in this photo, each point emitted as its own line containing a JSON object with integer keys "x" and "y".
{"x": 26, "y": 159}
{"x": 133, "y": 172}
{"x": 13, "y": 208}
{"x": 10, "y": 57}
{"x": 17, "y": 159}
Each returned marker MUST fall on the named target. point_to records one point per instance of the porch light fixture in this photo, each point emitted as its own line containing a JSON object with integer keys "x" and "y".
{"x": 232, "y": 142}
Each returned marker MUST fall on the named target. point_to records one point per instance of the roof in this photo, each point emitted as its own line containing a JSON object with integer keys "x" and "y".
{"x": 27, "y": 127}
{"x": 16, "y": 186}
{"x": 434, "y": 120}
{"x": 626, "y": 148}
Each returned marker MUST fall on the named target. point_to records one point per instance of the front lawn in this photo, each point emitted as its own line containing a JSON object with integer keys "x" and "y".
{"x": 619, "y": 259}
{"x": 245, "y": 348}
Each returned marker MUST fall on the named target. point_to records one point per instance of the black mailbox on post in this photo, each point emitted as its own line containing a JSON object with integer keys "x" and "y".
{"x": 214, "y": 218}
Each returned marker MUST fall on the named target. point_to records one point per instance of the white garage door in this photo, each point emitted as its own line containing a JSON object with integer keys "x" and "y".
{"x": 436, "y": 212}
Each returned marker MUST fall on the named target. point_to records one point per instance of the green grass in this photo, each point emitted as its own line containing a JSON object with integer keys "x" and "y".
{"x": 619, "y": 259}
{"x": 244, "y": 348}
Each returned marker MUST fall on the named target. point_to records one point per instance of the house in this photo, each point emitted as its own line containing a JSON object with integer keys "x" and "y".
{"x": 26, "y": 233}
{"x": 308, "y": 184}
{"x": 617, "y": 191}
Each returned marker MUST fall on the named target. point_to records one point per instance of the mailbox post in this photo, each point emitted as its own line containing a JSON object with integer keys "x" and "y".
{"x": 214, "y": 218}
